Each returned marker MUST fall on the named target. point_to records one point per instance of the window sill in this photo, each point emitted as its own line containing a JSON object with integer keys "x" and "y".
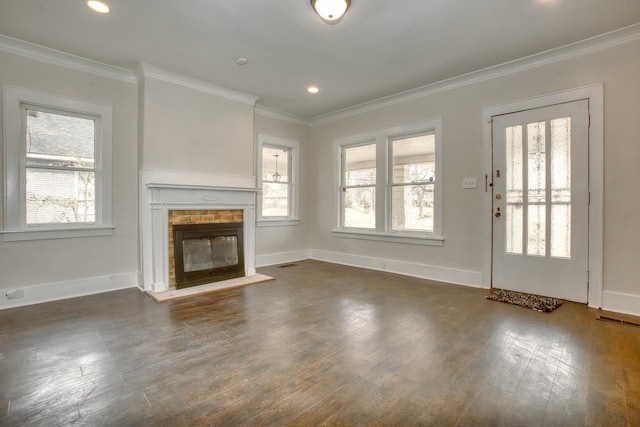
{"x": 276, "y": 222}
{"x": 66, "y": 233}
{"x": 388, "y": 237}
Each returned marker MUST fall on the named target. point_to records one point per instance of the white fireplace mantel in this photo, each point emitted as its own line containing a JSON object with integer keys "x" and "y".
{"x": 163, "y": 191}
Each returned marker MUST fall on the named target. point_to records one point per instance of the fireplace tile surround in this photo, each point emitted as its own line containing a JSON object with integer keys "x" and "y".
{"x": 169, "y": 198}
{"x": 202, "y": 216}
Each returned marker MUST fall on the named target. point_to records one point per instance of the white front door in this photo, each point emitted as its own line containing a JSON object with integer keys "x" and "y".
{"x": 540, "y": 201}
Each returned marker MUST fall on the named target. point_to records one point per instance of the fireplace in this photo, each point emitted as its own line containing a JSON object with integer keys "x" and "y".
{"x": 170, "y": 199}
{"x": 206, "y": 253}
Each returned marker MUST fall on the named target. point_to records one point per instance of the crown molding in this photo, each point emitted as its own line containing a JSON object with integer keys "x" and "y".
{"x": 57, "y": 57}
{"x": 144, "y": 70}
{"x": 281, "y": 115}
{"x": 583, "y": 47}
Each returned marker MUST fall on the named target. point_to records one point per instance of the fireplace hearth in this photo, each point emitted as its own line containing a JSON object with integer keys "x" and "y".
{"x": 207, "y": 253}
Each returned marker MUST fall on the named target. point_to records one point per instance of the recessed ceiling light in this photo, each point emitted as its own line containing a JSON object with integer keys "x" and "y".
{"x": 313, "y": 89}
{"x": 98, "y": 6}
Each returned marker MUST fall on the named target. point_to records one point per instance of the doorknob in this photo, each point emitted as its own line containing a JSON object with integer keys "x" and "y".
{"x": 498, "y": 214}
{"x": 498, "y": 196}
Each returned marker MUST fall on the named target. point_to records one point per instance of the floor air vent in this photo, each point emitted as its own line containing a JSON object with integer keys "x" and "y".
{"x": 620, "y": 321}
{"x": 287, "y": 265}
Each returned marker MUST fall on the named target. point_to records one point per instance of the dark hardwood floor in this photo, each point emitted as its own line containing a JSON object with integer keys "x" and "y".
{"x": 322, "y": 345}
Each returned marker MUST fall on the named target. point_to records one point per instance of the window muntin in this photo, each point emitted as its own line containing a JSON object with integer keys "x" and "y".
{"x": 412, "y": 176}
{"x": 276, "y": 182}
{"x": 359, "y": 186}
{"x": 60, "y": 166}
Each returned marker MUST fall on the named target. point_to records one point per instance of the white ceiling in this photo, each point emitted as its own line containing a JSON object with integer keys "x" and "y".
{"x": 380, "y": 48}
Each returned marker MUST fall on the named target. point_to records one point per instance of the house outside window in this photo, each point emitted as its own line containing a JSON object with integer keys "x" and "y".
{"x": 57, "y": 166}
{"x": 390, "y": 185}
{"x": 60, "y": 167}
{"x": 278, "y": 181}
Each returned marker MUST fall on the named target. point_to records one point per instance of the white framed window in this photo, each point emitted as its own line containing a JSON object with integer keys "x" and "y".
{"x": 390, "y": 185}
{"x": 57, "y": 166}
{"x": 358, "y": 200}
{"x": 278, "y": 181}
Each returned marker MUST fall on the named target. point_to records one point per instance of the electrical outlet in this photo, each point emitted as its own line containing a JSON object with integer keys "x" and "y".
{"x": 469, "y": 183}
{"x": 14, "y": 293}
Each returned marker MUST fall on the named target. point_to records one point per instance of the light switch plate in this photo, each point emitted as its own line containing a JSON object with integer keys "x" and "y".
{"x": 469, "y": 183}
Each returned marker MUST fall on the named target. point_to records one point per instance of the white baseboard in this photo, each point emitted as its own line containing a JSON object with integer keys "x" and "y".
{"x": 423, "y": 271}
{"x": 282, "y": 257}
{"x": 62, "y": 290}
{"x": 621, "y": 303}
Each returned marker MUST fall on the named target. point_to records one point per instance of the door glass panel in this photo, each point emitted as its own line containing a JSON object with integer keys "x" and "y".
{"x": 561, "y": 187}
{"x": 514, "y": 201}
{"x": 536, "y": 194}
{"x": 536, "y": 230}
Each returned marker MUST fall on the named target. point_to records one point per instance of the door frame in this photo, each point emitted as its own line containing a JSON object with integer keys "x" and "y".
{"x": 595, "y": 96}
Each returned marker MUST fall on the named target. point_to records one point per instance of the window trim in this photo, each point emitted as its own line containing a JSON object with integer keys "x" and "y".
{"x": 294, "y": 147}
{"x": 15, "y": 221}
{"x": 383, "y": 230}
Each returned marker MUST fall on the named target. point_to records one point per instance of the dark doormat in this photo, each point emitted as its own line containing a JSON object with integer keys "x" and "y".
{"x": 531, "y": 301}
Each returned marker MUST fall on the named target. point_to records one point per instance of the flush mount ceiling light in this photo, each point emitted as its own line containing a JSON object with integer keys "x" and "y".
{"x": 331, "y": 11}
{"x": 98, "y": 6}
{"x": 313, "y": 89}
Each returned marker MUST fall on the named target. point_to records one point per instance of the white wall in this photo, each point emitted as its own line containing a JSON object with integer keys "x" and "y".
{"x": 284, "y": 243}
{"x": 192, "y": 131}
{"x": 618, "y": 67}
{"x": 25, "y": 264}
